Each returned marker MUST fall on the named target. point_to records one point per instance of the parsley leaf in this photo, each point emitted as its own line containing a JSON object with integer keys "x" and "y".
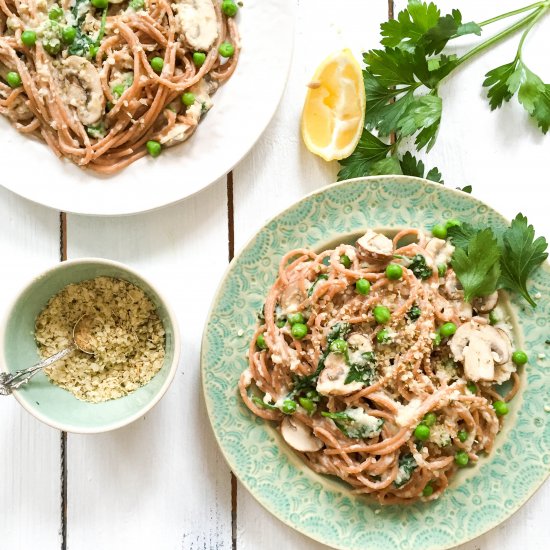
{"x": 447, "y": 27}
{"x": 410, "y": 166}
{"x": 521, "y": 254}
{"x": 497, "y": 82}
{"x": 460, "y": 235}
{"x": 477, "y": 267}
{"x": 369, "y": 150}
{"x": 541, "y": 112}
{"x": 411, "y": 24}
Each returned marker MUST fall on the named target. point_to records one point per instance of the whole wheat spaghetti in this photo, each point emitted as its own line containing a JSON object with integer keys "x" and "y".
{"x": 104, "y": 83}
{"x": 376, "y": 370}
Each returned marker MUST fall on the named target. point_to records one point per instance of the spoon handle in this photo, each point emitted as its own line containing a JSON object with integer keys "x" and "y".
{"x": 11, "y": 381}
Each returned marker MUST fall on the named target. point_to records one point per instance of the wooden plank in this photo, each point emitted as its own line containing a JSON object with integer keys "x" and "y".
{"x": 162, "y": 480}
{"x": 280, "y": 170}
{"x": 29, "y": 451}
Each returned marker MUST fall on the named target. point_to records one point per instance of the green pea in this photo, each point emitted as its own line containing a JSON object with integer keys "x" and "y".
{"x": 519, "y": 357}
{"x": 226, "y": 49}
{"x": 157, "y": 63}
{"x": 448, "y": 329}
{"x": 394, "y": 272}
{"x": 118, "y": 90}
{"x": 453, "y": 222}
{"x": 441, "y": 270}
{"x": 154, "y": 148}
{"x": 381, "y": 314}
{"x": 472, "y": 388}
{"x": 28, "y": 38}
{"x": 383, "y": 336}
{"x": 55, "y": 48}
{"x": 13, "y": 79}
{"x": 501, "y": 408}
{"x": 428, "y": 490}
{"x": 289, "y": 406}
{"x": 68, "y": 34}
{"x": 437, "y": 339}
{"x": 93, "y": 51}
{"x": 462, "y": 459}
{"x": 188, "y": 99}
{"x": 493, "y": 319}
{"x": 339, "y": 346}
{"x": 55, "y": 13}
{"x": 439, "y": 231}
{"x": 430, "y": 419}
{"x": 294, "y": 318}
{"x": 298, "y": 330}
{"x": 199, "y": 58}
{"x": 280, "y": 323}
{"x": 308, "y": 404}
{"x": 462, "y": 435}
{"x": 422, "y": 432}
{"x": 345, "y": 261}
{"x": 362, "y": 286}
{"x": 260, "y": 341}
{"x": 229, "y": 8}
{"x": 100, "y": 4}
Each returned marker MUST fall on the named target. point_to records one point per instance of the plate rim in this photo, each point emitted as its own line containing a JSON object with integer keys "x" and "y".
{"x": 208, "y": 402}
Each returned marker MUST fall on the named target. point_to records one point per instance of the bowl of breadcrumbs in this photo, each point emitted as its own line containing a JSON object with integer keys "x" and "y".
{"x": 132, "y": 331}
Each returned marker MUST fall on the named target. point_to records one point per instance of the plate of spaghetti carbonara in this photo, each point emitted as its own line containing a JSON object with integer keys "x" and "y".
{"x": 386, "y": 361}
{"x": 111, "y": 95}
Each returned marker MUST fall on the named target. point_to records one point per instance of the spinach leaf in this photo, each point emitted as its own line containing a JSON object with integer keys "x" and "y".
{"x": 420, "y": 268}
{"x": 414, "y": 313}
{"x": 407, "y": 465}
{"x": 351, "y": 428}
{"x": 321, "y": 277}
{"x": 362, "y": 368}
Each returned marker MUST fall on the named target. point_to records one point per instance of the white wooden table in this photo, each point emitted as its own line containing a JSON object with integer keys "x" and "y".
{"x": 162, "y": 483}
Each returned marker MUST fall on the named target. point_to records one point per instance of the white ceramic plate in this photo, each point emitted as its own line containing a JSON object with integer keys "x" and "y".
{"x": 243, "y": 108}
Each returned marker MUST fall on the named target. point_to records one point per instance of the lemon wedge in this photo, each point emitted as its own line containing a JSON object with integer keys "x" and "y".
{"x": 334, "y": 110}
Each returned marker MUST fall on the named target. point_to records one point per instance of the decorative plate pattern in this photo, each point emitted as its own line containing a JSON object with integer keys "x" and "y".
{"x": 323, "y": 508}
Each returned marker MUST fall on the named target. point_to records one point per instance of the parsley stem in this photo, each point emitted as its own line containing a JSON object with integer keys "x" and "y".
{"x": 501, "y": 35}
{"x": 512, "y": 13}
{"x": 533, "y": 22}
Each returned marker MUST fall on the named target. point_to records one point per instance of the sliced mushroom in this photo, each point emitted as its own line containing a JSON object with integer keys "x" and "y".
{"x": 196, "y": 20}
{"x": 486, "y": 304}
{"x": 82, "y": 89}
{"x": 299, "y": 436}
{"x": 332, "y": 380}
{"x": 440, "y": 250}
{"x": 360, "y": 342}
{"x": 480, "y": 348}
{"x": 374, "y": 247}
{"x": 291, "y": 298}
{"x": 452, "y": 288}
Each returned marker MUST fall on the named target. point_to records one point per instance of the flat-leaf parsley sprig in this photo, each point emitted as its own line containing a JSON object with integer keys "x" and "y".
{"x": 402, "y": 82}
{"x": 485, "y": 262}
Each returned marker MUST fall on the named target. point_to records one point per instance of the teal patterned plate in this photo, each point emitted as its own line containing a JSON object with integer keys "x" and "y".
{"x": 323, "y": 508}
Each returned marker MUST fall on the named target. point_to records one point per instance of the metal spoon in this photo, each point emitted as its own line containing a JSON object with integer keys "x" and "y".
{"x": 81, "y": 340}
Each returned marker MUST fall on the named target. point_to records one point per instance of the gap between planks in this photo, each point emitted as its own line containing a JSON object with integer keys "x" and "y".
{"x": 230, "y": 254}
{"x": 63, "y": 437}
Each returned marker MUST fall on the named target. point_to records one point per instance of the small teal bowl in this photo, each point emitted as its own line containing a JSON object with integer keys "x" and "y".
{"x": 58, "y": 407}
